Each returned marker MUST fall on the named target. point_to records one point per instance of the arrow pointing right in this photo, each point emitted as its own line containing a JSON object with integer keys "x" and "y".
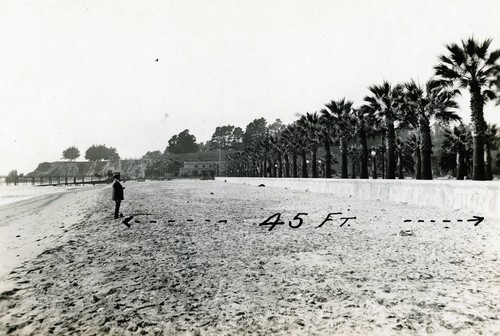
{"x": 477, "y": 219}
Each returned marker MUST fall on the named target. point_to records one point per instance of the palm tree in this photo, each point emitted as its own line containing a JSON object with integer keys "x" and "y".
{"x": 291, "y": 139}
{"x": 406, "y": 163}
{"x": 354, "y": 153}
{"x": 327, "y": 135}
{"x": 471, "y": 66}
{"x": 386, "y": 101}
{"x": 456, "y": 145}
{"x": 437, "y": 102}
{"x": 365, "y": 125}
{"x": 261, "y": 152}
{"x": 339, "y": 116}
{"x": 491, "y": 143}
{"x": 311, "y": 125}
{"x": 413, "y": 141}
{"x": 284, "y": 150}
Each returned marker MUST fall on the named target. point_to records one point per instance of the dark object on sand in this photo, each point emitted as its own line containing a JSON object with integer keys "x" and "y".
{"x": 121, "y": 215}
{"x": 262, "y": 185}
{"x": 137, "y": 221}
{"x": 152, "y": 221}
{"x": 406, "y": 233}
{"x": 127, "y": 220}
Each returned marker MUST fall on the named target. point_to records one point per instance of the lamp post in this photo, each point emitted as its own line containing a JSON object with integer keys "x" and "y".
{"x": 374, "y": 168}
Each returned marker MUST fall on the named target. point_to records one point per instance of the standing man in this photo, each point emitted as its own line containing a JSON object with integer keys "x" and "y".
{"x": 117, "y": 193}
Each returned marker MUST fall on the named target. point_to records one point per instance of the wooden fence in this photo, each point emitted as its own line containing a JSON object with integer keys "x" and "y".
{"x": 54, "y": 180}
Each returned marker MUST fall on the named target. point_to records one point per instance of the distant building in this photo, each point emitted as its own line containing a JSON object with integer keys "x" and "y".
{"x": 195, "y": 168}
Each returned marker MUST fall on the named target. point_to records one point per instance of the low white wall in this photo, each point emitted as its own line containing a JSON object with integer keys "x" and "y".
{"x": 482, "y": 196}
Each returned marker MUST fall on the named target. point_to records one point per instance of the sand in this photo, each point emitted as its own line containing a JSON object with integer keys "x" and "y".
{"x": 28, "y": 227}
{"x": 179, "y": 271}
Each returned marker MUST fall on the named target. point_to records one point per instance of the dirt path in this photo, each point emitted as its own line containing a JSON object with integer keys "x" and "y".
{"x": 180, "y": 271}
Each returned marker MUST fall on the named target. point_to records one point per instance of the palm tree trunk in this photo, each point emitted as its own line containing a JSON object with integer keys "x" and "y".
{"x": 383, "y": 149}
{"x": 287, "y": 165}
{"x": 391, "y": 149}
{"x": 460, "y": 164}
{"x": 374, "y": 167}
{"x": 280, "y": 166}
{"x": 488, "y": 172}
{"x": 426, "y": 149}
{"x": 418, "y": 168}
{"x": 275, "y": 168}
{"x": 479, "y": 126}
{"x": 343, "y": 152}
{"x": 304, "y": 164}
{"x": 401, "y": 175}
{"x": 328, "y": 158}
{"x": 364, "y": 153}
{"x": 314, "y": 164}
{"x": 294, "y": 165}
{"x": 272, "y": 168}
{"x": 353, "y": 169}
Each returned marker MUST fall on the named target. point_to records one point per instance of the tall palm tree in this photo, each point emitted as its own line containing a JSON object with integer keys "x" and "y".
{"x": 327, "y": 135}
{"x": 291, "y": 138}
{"x": 354, "y": 153}
{"x": 274, "y": 154}
{"x": 413, "y": 142}
{"x": 386, "y": 101}
{"x": 406, "y": 163}
{"x": 284, "y": 150}
{"x": 249, "y": 155}
{"x": 339, "y": 115}
{"x": 436, "y": 103}
{"x": 311, "y": 125}
{"x": 262, "y": 152}
{"x": 473, "y": 67}
{"x": 457, "y": 144}
{"x": 303, "y": 141}
{"x": 365, "y": 125}
{"x": 491, "y": 143}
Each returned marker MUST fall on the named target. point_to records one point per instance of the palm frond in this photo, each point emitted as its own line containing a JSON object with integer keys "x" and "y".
{"x": 457, "y": 54}
{"x": 489, "y": 95}
{"x": 494, "y": 56}
{"x": 446, "y": 72}
{"x": 482, "y": 49}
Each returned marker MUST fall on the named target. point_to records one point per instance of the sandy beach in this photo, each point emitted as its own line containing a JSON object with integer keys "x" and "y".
{"x": 29, "y": 227}
{"x": 195, "y": 261}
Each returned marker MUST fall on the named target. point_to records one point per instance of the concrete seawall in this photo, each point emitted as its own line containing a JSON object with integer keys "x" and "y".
{"x": 481, "y": 196}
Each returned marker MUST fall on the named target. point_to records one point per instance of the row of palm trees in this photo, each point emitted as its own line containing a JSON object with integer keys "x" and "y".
{"x": 387, "y": 112}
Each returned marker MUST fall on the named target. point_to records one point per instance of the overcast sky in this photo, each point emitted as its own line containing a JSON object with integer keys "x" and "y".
{"x": 85, "y": 72}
